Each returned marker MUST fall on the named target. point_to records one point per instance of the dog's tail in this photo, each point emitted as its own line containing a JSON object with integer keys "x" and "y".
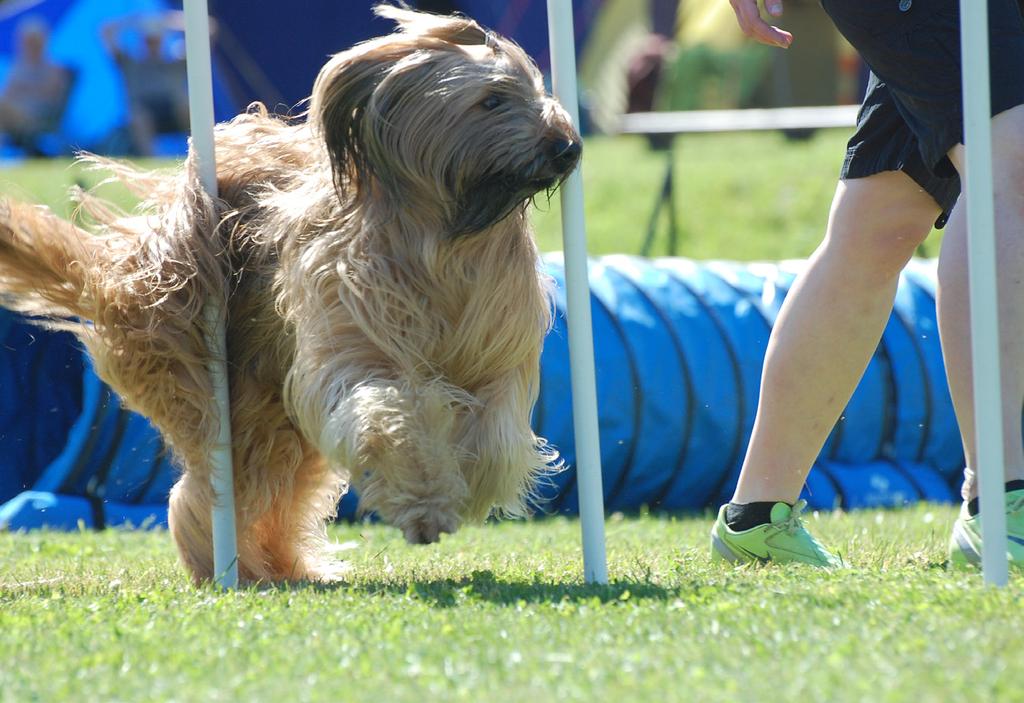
{"x": 46, "y": 263}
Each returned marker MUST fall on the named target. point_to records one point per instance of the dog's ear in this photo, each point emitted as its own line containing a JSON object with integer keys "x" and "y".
{"x": 453, "y": 29}
{"x": 341, "y": 95}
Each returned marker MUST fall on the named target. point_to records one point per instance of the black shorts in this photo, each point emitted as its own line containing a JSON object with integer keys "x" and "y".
{"x": 913, "y": 111}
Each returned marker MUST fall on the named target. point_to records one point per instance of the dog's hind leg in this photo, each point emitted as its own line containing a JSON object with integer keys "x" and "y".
{"x": 284, "y": 495}
{"x": 189, "y": 518}
{"x": 285, "y": 543}
{"x": 292, "y": 535}
{"x": 190, "y": 525}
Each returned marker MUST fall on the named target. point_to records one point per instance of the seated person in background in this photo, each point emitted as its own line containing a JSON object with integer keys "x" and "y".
{"x": 33, "y": 98}
{"x": 154, "y": 82}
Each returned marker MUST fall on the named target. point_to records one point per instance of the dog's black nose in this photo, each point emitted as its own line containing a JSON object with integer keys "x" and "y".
{"x": 564, "y": 154}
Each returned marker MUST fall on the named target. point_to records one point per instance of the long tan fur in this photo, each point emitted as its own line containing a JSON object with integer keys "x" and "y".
{"x": 385, "y": 308}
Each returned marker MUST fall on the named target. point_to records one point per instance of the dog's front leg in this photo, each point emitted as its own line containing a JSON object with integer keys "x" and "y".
{"x": 397, "y": 439}
{"x": 508, "y": 458}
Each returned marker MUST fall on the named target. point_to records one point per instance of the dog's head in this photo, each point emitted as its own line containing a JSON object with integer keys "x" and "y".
{"x": 445, "y": 117}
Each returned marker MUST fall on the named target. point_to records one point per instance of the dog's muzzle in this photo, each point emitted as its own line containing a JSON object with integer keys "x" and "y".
{"x": 497, "y": 195}
{"x": 564, "y": 155}
{"x": 560, "y": 158}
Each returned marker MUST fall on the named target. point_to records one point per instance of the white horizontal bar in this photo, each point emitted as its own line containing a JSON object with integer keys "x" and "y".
{"x": 739, "y": 120}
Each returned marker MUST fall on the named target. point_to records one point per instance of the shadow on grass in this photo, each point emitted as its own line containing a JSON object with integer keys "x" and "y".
{"x": 484, "y": 586}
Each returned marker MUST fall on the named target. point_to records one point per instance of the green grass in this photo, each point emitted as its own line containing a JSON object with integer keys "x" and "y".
{"x": 499, "y": 613}
{"x": 47, "y": 181}
{"x": 738, "y": 196}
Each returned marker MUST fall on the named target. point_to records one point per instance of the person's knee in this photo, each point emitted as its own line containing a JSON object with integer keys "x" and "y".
{"x": 877, "y": 232}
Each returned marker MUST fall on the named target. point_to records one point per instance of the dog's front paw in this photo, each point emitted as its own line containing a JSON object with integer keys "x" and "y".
{"x": 429, "y": 528}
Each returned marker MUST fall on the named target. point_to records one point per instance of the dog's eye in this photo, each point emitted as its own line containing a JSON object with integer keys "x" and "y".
{"x": 491, "y": 102}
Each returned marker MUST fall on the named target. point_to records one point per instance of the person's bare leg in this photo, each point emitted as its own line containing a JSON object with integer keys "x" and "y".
{"x": 954, "y": 308}
{"x": 829, "y": 327}
{"x": 13, "y": 119}
{"x": 181, "y": 112}
{"x": 140, "y": 127}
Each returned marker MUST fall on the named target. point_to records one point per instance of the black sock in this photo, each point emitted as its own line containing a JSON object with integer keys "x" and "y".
{"x": 972, "y": 505}
{"x": 744, "y": 516}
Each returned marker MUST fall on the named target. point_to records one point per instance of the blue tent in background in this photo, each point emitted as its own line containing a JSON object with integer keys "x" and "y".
{"x": 262, "y": 51}
{"x": 526, "y": 22}
{"x": 97, "y": 108}
{"x": 253, "y": 37}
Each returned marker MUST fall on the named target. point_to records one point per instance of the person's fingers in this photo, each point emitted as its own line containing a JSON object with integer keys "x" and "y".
{"x": 749, "y": 18}
{"x": 779, "y": 37}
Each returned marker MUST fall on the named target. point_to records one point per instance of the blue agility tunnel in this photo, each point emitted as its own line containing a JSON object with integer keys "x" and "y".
{"x": 99, "y": 466}
{"x": 678, "y": 349}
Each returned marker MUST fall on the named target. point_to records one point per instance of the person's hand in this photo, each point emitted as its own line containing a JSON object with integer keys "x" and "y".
{"x": 749, "y": 17}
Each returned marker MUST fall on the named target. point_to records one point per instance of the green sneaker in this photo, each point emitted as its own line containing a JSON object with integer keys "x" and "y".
{"x": 965, "y": 542}
{"x": 783, "y": 540}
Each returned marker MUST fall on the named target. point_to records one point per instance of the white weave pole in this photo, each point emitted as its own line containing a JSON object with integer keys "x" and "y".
{"x": 200, "y": 108}
{"x": 581, "y": 341}
{"x": 988, "y": 406}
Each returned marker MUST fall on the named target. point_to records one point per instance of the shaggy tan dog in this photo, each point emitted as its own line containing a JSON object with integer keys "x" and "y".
{"x": 385, "y": 307}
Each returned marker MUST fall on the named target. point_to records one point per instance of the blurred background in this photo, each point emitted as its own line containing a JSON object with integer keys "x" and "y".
{"x": 108, "y": 75}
